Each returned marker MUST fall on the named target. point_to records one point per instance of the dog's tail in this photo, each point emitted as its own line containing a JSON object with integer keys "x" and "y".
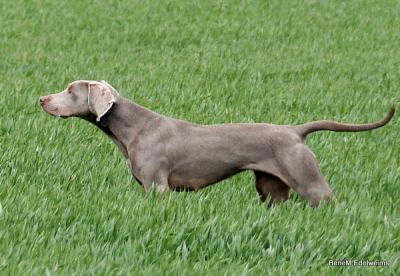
{"x": 307, "y": 128}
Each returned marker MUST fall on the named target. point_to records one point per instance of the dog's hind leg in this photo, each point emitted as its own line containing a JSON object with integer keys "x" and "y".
{"x": 301, "y": 172}
{"x": 268, "y": 185}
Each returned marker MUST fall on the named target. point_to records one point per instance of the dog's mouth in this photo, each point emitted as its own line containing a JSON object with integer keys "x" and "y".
{"x": 54, "y": 111}
{"x": 50, "y": 110}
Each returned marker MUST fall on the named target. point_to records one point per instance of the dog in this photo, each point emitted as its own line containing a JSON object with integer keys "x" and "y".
{"x": 179, "y": 155}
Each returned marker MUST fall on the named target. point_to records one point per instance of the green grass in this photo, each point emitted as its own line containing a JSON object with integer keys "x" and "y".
{"x": 67, "y": 202}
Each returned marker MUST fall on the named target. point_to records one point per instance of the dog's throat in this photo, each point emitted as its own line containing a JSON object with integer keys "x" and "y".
{"x": 107, "y": 131}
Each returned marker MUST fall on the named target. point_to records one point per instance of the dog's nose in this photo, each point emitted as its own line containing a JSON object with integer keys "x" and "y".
{"x": 43, "y": 99}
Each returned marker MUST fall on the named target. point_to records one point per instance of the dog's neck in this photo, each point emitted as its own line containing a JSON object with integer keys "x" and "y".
{"x": 118, "y": 127}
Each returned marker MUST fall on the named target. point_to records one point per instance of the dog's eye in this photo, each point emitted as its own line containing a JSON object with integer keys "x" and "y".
{"x": 69, "y": 91}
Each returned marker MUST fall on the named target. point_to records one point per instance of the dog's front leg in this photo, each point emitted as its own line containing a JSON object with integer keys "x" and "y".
{"x": 154, "y": 176}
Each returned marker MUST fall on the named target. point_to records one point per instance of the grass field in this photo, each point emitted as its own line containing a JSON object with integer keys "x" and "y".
{"x": 67, "y": 202}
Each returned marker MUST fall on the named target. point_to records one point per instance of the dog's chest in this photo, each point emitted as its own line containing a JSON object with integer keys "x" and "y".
{"x": 132, "y": 171}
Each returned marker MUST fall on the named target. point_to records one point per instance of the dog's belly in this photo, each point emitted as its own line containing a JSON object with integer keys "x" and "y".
{"x": 206, "y": 162}
{"x": 183, "y": 180}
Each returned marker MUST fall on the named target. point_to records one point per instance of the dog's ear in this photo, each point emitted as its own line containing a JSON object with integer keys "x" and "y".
{"x": 100, "y": 99}
{"x": 109, "y": 85}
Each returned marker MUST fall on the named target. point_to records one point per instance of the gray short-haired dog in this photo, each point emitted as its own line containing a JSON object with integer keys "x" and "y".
{"x": 176, "y": 154}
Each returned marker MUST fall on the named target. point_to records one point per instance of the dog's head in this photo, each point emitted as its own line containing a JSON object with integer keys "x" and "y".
{"x": 80, "y": 99}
